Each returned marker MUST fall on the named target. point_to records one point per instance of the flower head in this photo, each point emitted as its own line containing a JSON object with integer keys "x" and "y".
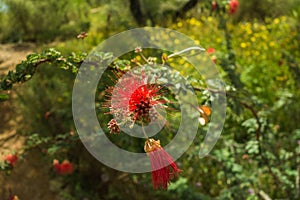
{"x": 214, "y": 5}
{"x": 11, "y": 159}
{"x": 233, "y": 6}
{"x": 64, "y": 168}
{"x": 47, "y": 115}
{"x": 210, "y": 50}
{"x": 113, "y": 126}
{"x": 163, "y": 165}
{"x": 138, "y": 50}
{"x": 133, "y": 98}
{"x": 204, "y": 112}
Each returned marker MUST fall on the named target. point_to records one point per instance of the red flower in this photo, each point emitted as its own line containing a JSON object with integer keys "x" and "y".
{"x": 64, "y": 168}
{"x": 11, "y": 159}
{"x": 214, "y": 5}
{"x": 233, "y": 6}
{"x": 133, "y": 97}
{"x": 210, "y": 50}
{"x": 163, "y": 165}
{"x": 47, "y": 115}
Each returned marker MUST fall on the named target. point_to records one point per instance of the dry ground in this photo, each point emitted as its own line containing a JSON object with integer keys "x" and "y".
{"x": 29, "y": 180}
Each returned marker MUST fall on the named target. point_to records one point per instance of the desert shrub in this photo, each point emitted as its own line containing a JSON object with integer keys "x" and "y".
{"x": 40, "y": 21}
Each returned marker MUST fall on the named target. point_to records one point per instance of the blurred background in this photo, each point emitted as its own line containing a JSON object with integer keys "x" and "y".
{"x": 256, "y": 47}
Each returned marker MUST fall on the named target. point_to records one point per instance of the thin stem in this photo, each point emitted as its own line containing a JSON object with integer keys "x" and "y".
{"x": 144, "y": 58}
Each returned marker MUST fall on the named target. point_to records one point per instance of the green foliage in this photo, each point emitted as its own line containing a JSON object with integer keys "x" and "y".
{"x": 3, "y": 97}
{"x": 265, "y": 8}
{"x": 42, "y": 20}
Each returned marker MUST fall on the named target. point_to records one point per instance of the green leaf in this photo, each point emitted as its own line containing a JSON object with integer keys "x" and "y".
{"x": 237, "y": 168}
{"x": 3, "y": 97}
{"x": 252, "y": 147}
{"x": 122, "y": 64}
{"x": 52, "y": 150}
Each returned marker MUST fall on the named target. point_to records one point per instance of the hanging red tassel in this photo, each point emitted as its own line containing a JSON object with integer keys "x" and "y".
{"x": 163, "y": 165}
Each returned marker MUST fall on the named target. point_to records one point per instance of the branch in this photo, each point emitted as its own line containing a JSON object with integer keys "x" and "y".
{"x": 9, "y": 137}
{"x": 26, "y": 69}
{"x": 254, "y": 113}
{"x": 135, "y": 8}
{"x": 188, "y": 6}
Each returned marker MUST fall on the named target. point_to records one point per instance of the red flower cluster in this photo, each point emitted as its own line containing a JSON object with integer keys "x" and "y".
{"x": 214, "y": 5}
{"x": 233, "y": 6}
{"x": 47, "y": 115}
{"x": 64, "y": 168}
{"x": 163, "y": 165}
{"x": 142, "y": 100}
{"x": 210, "y": 50}
{"x": 11, "y": 159}
{"x": 132, "y": 98}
